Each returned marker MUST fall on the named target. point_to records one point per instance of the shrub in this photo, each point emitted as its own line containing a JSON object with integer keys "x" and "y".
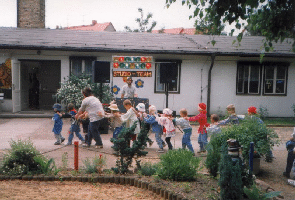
{"x": 148, "y": 169}
{"x": 263, "y": 111}
{"x": 95, "y": 166}
{"x": 293, "y": 108}
{"x": 254, "y": 193}
{"x": 230, "y": 177}
{"x": 213, "y": 156}
{"x": 126, "y": 152}
{"x": 24, "y": 158}
{"x": 70, "y": 90}
{"x": 178, "y": 165}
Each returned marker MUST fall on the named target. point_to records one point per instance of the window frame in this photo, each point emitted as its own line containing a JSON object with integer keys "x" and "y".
{"x": 83, "y": 59}
{"x": 157, "y": 76}
{"x": 276, "y": 65}
{"x": 249, "y": 78}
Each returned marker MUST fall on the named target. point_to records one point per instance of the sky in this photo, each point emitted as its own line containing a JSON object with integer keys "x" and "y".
{"x": 120, "y": 12}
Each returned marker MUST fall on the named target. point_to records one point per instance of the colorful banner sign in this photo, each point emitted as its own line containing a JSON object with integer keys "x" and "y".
{"x": 132, "y": 73}
{"x": 132, "y": 62}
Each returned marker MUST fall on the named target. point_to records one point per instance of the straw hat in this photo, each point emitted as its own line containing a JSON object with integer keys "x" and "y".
{"x": 113, "y": 107}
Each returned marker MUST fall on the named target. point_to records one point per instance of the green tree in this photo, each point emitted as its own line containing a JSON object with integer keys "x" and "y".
{"x": 205, "y": 27}
{"x": 143, "y": 23}
{"x": 274, "y": 19}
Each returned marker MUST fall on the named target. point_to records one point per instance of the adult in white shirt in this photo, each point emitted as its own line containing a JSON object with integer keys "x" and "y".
{"x": 92, "y": 106}
{"x": 128, "y": 90}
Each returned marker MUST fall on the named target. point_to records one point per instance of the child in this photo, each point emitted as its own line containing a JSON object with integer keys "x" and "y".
{"x": 233, "y": 118}
{"x": 202, "y": 119}
{"x": 85, "y": 123}
{"x": 187, "y": 129}
{"x": 291, "y": 155}
{"x": 57, "y": 127}
{"x": 75, "y": 125}
{"x": 214, "y": 126}
{"x": 115, "y": 119}
{"x": 166, "y": 121}
{"x": 130, "y": 118}
{"x": 156, "y": 128}
{"x": 140, "y": 114}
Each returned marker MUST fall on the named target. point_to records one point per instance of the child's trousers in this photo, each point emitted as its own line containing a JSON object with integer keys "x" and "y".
{"x": 290, "y": 160}
{"x": 117, "y": 131}
{"x": 167, "y": 139}
{"x": 59, "y": 137}
{"x": 75, "y": 129}
{"x": 158, "y": 136}
{"x": 186, "y": 140}
{"x": 202, "y": 140}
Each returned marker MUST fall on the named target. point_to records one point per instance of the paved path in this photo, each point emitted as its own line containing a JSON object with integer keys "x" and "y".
{"x": 39, "y": 131}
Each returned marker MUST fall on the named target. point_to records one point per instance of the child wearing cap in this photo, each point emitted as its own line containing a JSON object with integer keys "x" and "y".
{"x": 156, "y": 127}
{"x": 290, "y": 145}
{"x": 187, "y": 129}
{"x": 167, "y": 123}
{"x": 140, "y": 114}
{"x": 233, "y": 118}
{"x": 75, "y": 125}
{"x": 202, "y": 119}
{"x": 115, "y": 120}
{"x": 57, "y": 127}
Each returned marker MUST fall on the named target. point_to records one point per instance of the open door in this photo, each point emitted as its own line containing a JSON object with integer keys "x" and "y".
{"x": 16, "y": 92}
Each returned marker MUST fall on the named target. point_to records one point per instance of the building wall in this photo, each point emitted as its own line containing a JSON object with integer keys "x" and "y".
{"x": 31, "y": 13}
{"x": 224, "y": 91}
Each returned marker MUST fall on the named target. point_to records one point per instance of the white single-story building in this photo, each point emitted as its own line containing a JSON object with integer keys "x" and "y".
{"x": 218, "y": 75}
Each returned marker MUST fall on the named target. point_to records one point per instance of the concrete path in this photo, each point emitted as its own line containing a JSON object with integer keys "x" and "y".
{"x": 39, "y": 131}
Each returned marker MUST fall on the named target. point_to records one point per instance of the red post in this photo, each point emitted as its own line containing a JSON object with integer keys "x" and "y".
{"x": 76, "y": 155}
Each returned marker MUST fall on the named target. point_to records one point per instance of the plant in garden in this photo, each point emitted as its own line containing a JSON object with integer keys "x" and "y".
{"x": 24, "y": 158}
{"x": 127, "y": 153}
{"x": 230, "y": 181}
{"x": 64, "y": 160}
{"x": 70, "y": 90}
{"x": 213, "y": 156}
{"x": 148, "y": 169}
{"x": 96, "y": 165}
{"x": 254, "y": 193}
{"x": 178, "y": 165}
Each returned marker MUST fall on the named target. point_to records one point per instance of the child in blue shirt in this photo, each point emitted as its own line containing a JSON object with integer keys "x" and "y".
{"x": 57, "y": 127}
{"x": 290, "y": 145}
{"x": 75, "y": 125}
{"x": 187, "y": 129}
{"x": 156, "y": 128}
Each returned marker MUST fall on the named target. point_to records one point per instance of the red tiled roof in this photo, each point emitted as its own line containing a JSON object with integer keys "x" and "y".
{"x": 92, "y": 27}
{"x": 187, "y": 31}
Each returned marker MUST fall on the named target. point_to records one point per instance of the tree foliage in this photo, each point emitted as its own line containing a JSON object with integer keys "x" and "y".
{"x": 143, "y": 23}
{"x": 274, "y": 19}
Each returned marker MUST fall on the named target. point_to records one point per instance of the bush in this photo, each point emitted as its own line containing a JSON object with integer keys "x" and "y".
{"x": 95, "y": 166}
{"x": 178, "y": 165}
{"x": 70, "y": 90}
{"x": 213, "y": 156}
{"x": 254, "y": 193}
{"x": 24, "y": 158}
{"x": 148, "y": 169}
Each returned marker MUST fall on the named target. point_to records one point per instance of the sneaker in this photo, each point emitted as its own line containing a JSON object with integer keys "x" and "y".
{"x": 151, "y": 143}
{"x": 68, "y": 144}
{"x": 85, "y": 145}
{"x": 62, "y": 140}
{"x": 57, "y": 143}
{"x": 160, "y": 151}
{"x": 98, "y": 146}
{"x": 164, "y": 144}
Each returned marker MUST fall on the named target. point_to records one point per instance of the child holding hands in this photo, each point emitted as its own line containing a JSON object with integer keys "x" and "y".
{"x": 156, "y": 128}
{"x": 166, "y": 121}
{"x": 202, "y": 119}
{"x": 187, "y": 129}
{"x": 214, "y": 126}
{"x": 75, "y": 125}
{"x": 57, "y": 127}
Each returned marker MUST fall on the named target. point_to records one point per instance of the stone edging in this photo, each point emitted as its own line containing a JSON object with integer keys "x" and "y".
{"x": 122, "y": 180}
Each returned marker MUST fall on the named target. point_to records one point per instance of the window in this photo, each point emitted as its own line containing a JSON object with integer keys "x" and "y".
{"x": 248, "y": 78}
{"x": 167, "y": 71}
{"x": 275, "y": 79}
{"x": 81, "y": 65}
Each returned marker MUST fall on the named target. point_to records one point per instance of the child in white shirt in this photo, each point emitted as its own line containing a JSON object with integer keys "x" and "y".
{"x": 166, "y": 121}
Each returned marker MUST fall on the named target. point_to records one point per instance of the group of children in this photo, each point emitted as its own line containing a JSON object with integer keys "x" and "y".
{"x": 161, "y": 124}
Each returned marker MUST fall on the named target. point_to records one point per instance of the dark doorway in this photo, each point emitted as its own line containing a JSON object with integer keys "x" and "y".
{"x": 39, "y": 81}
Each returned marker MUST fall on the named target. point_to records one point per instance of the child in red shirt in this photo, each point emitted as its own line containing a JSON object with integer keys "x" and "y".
{"x": 202, "y": 119}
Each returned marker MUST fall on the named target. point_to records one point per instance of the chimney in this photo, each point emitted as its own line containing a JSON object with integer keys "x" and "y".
{"x": 31, "y": 13}
{"x": 94, "y": 22}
